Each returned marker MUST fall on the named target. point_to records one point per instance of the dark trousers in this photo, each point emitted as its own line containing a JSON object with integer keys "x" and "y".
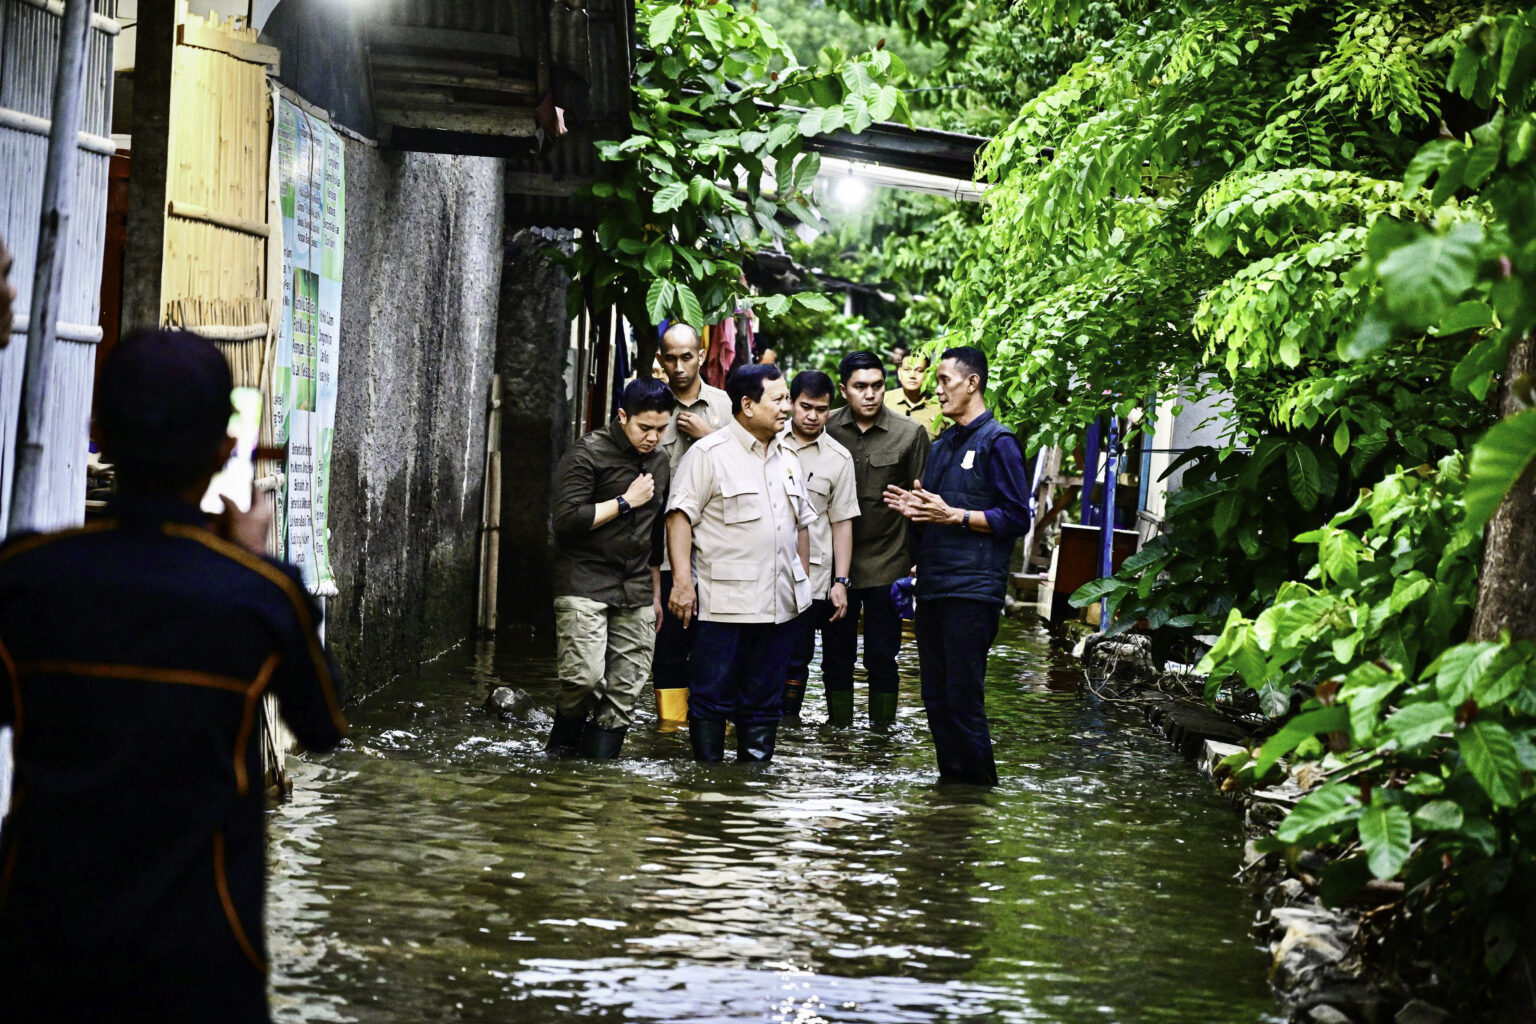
{"x": 737, "y": 671}
{"x": 882, "y": 639}
{"x": 669, "y": 661}
{"x": 953, "y": 637}
{"x": 810, "y": 620}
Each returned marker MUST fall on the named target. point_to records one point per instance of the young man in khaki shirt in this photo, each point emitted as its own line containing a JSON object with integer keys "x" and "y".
{"x": 738, "y": 516}
{"x": 701, "y": 410}
{"x": 910, "y": 399}
{"x": 888, "y": 449}
{"x": 829, "y": 484}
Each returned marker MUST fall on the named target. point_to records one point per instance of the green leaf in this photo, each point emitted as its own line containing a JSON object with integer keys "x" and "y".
{"x": 1461, "y": 668}
{"x": 709, "y": 24}
{"x": 806, "y": 170}
{"x": 1428, "y": 276}
{"x": 663, "y": 24}
{"x": 1417, "y": 724}
{"x": 1305, "y": 477}
{"x": 670, "y": 197}
{"x": 1387, "y": 835}
{"x": 1320, "y": 810}
{"x": 1091, "y": 591}
{"x": 777, "y": 304}
{"x": 1341, "y": 438}
{"x": 1303, "y": 727}
{"x": 1438, "y": 816}
{"x": 815, "y": 301}
{"x": 693, "y": 314}
{"x": 1476, "y": 369}
{"x": 1497, "y": 461}
{"x": 1489, "y": 752}
{"x": 698, "y": 189}
{"x": 810, "y": 122}
{"x": 658, "y": 258}
{"x": 657, "y": 300}
{"x": 1465, "y": 317}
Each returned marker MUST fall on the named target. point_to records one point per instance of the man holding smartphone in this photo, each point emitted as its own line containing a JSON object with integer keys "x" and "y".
{"x": 136, "y": 651}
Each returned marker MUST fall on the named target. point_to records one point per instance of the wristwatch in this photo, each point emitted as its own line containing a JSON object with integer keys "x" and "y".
{"x": 624, "y": 508}
{"x": 844, "y": 580}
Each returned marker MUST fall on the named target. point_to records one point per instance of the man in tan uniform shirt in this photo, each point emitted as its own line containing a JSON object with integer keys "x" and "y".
{"x": 738, "y": 514}
{"x": 701, "y": 410}
{"x": 829, "y": 483}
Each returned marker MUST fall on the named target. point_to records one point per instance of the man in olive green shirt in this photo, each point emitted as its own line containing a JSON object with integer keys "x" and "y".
{"x": 887, "y": 448}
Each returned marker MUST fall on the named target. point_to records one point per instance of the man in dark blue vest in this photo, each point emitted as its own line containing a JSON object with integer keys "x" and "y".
{"x": 970, "y": 513}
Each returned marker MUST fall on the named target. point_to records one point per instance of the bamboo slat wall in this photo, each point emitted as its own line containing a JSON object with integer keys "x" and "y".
{"x": 214, "y": 277}
{"x": 29, "y": 55}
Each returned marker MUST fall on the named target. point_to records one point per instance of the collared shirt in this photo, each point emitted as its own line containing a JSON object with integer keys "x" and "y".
{"x": 136, "y": 649}
{"x": 610, "y": 564}
{"x": 892, "y": 451}
{"x": 829, "y": 485}
{"x": 747, "y": 503}
{"x": 925, "y": 410}
{"x": 712, "y": 405}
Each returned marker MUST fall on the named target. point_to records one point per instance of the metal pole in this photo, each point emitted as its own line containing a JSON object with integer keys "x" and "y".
{"x": 1107, "y": 529}
{"x": 29, "y": 502}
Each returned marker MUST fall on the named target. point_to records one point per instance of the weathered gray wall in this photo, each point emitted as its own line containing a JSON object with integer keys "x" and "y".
{"x": 531, "y": 358}
{"x": 418, "y": 339}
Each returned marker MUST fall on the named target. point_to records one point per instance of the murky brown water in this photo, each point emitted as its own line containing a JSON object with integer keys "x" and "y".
{"x": 439, "y": 868}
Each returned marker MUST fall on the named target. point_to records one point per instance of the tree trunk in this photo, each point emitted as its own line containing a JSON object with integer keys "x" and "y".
{"x": 1506, "y": 600}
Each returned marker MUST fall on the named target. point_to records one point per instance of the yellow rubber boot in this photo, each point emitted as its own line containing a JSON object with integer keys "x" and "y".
{"x": 671, "y": 709}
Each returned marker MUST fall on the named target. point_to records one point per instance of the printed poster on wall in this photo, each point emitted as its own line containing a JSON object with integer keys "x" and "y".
{"x": 304, "y": 385}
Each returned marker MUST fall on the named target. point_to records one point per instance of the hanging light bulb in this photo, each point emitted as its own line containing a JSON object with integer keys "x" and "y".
{"x": 851, "y": 191}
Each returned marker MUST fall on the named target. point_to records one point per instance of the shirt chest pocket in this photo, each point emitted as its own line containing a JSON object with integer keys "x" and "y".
{"x": 741, "y": 501}
{"x": 883, "y": 469}
{"x": 818, "y": 491}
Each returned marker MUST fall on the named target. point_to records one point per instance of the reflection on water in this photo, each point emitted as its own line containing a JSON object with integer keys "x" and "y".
{"x": 440, "y": 868}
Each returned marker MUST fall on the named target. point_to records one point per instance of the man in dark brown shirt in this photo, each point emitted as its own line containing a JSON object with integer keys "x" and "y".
{"x": 887, "y": 448}
{"x": 609, "y": 536}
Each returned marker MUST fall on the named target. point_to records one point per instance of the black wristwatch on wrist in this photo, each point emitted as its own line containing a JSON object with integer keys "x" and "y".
{"x": 624, "y": 508}
{"x": 844, "y": 580}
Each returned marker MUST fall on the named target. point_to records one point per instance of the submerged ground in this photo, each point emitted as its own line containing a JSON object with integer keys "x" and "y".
{"x": 440, "y": 868}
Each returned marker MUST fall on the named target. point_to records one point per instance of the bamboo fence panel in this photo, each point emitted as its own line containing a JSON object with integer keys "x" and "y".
{"x": 29, "y": 56}
{"x": 214, "y": 277}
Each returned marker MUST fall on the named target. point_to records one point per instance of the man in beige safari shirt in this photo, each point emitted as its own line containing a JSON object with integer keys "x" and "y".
{"x": 701, "y": 410}
{"x": 829, "y": 483}
{"x": 739, "y": 515}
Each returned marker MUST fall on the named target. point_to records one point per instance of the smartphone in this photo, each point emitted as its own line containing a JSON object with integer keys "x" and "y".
{"x": 236, "y": 480}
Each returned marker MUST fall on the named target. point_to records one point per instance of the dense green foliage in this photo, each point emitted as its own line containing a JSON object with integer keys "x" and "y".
{"x": 716, "y": 161}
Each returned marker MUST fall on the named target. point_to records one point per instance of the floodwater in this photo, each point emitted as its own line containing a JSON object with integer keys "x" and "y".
{"x": 440, "y": 868}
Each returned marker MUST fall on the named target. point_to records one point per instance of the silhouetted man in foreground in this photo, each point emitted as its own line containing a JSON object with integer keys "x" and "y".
{"x": 135, "y": 652}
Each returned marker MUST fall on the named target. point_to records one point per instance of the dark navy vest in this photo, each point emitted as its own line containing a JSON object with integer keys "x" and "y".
{"x": 951, "y": 560}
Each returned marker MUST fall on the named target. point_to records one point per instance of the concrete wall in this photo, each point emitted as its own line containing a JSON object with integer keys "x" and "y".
{"x": 418, "y": 338}
{"x": 532, "y": 354}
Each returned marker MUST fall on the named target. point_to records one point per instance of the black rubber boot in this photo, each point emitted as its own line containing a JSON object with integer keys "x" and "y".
{"x": 882, "y": 710}
{"x": 840, "y": 708}
{"x": 564, "y": 736}
{"x": 794, "y": 699}
{"x": 755, "y": 742}
{"x": 708, "y": 740}
{"x": 599, "y": 744}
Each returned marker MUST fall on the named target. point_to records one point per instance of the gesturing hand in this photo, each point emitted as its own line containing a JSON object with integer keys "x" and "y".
{"x": 919, "y": 505}
{"x": 641, "y": 491}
